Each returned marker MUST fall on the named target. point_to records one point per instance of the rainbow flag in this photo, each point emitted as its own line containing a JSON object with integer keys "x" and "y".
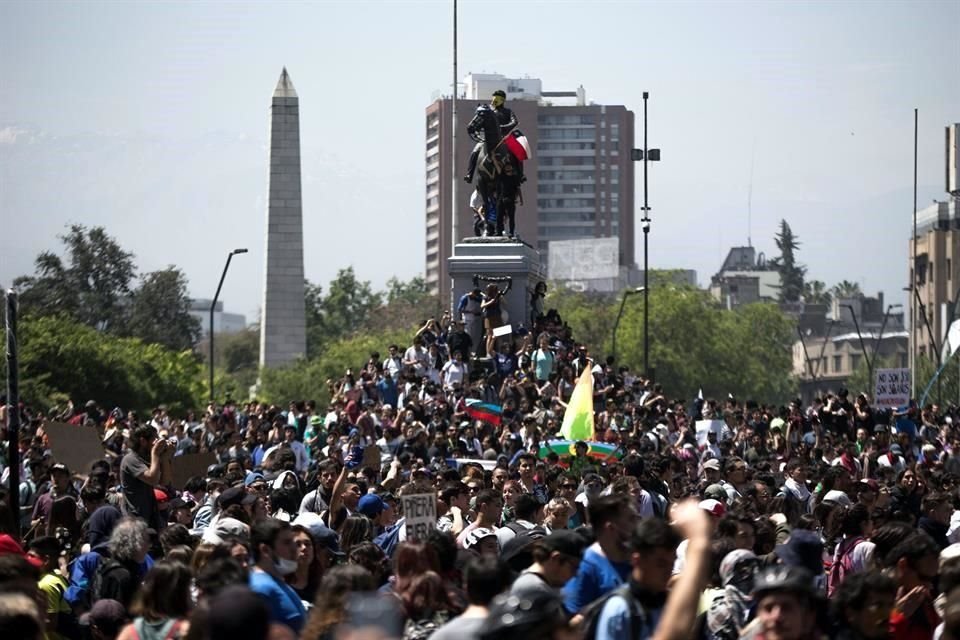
{"x": 485, "y": 411}
{"x": 578, "y": 418}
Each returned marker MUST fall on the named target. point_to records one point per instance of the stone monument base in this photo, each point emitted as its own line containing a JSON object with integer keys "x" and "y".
{"x": 480, "y": 261}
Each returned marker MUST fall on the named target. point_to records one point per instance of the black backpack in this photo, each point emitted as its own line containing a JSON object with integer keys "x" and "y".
{"x": 107, "y": 567}
{"x": 591, "y": 612}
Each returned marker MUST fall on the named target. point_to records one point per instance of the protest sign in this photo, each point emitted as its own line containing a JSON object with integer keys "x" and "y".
{"x": 892, "y": 387}
{"x": 706, "y": 426}
{"x": 505, "y": 330}
{"x": 192, "y": 464}
{"x": 371, "y": 457}
{"x": 420, "y": 512}
{"x": 74, "y": 446}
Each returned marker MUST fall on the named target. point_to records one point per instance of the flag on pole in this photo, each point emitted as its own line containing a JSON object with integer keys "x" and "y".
{"x": 578, "y": 418}
{"x": 485, "y": 411}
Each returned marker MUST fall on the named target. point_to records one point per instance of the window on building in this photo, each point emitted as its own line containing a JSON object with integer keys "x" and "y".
{"x": 614, "y": 132}
{"x": 837, "y": 363}
{"x": 855, "y": 361}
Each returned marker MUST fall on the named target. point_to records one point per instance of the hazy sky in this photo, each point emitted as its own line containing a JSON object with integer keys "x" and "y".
{"x": 151, "y": 119}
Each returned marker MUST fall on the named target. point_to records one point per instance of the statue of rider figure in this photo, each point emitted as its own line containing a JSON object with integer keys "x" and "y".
{"x": 508, "y": 122}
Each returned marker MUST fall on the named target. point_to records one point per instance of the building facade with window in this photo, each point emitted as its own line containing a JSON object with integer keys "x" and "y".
{"x": 580, "y": 180}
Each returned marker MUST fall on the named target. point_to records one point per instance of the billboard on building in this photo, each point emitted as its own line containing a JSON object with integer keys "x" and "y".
{"x": 584, "y": 259}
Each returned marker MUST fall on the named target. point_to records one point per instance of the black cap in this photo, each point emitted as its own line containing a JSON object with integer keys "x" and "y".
{"x": 501, "y": 93}
{"x": 235, "y": 495}
{"x": 784, "y": 578}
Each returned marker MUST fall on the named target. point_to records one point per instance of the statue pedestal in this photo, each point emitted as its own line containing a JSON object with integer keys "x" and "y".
{"x": 480, "y": 261}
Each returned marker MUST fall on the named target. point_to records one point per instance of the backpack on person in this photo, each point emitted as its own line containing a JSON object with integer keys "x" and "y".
{"x": 843, "y": 564}
{"x": 591, "y": 612}
{"x": 108, "y": 567}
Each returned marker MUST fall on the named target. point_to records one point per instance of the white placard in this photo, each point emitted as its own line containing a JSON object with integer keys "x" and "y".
{"x": 706, "y": 426}
{"x": 892, "y": 387}
{"x": 420, "y": 512}
{"x": 505, "y": 330}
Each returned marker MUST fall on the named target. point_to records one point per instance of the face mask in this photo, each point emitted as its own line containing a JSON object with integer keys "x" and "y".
{"x": 285, "y": 567}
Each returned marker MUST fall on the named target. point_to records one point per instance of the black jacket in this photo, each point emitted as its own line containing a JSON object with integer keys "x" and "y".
{"x": 507, "y": 120}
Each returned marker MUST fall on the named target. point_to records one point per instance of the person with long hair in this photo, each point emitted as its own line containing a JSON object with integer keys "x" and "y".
{"x": 426, "y": 605}
{"x": 162, "y": 604}
{"x": 373, "y": 559}
{"x": 330, "y": 608}
{"x": 356, "y": 529}
{"x": 306, "y": 578}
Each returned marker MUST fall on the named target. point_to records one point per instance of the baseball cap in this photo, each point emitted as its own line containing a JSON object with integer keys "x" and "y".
{"x": 60, "y": 467}
{"x": 323, "y": 536}
{"x": 371, "y": 505}
{"x": 252, "y": 476}
{"x": 161, "y": 497}
{"x": 224, "y": 528}
{"x": 837, "y": 497}
{"x": 870, "y": 483}
{"x": 235, "y": 495}
{"x": 474, "y": 537}
{"x": 784, "y": 578}
{"x": 712, "y": 463}
{"x": 181, "y": 502}
{"x": 716, "y": 492}
{"x": 713, "y": 507}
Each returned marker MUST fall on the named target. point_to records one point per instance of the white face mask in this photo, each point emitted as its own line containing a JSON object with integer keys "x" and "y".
{"x": 285, "y": 567}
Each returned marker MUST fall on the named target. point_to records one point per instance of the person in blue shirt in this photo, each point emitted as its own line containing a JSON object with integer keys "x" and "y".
{"x": 387, "y": 388}
{"x": 275, "y": 553}
{"x": 606, "y": 563}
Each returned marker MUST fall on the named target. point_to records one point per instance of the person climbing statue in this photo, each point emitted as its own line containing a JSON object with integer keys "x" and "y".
{"x": 508, "y": 122}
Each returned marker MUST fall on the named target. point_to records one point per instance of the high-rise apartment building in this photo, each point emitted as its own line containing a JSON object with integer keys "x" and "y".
{"x": 579, "y": 181}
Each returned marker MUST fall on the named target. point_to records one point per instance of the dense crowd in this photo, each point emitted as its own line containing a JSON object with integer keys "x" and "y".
{"x": 788, "y": 522}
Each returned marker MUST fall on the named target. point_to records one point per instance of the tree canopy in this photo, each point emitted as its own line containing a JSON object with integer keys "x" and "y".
{"x": 94, "y": 285}
{"x": 791, "y": 272}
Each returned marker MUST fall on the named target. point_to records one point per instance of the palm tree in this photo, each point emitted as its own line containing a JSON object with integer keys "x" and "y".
{"x": 847, "y": 289}
{"x": 816, "y": 292}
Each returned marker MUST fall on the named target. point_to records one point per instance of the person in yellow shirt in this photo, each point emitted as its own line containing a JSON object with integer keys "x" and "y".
{"x": 60, "y": 622}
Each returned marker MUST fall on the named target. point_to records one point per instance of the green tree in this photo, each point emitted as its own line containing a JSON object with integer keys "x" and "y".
{"x": 847, "y": 289}
{"x": 694, "y": 342}
{"x": 340, "y": 312}
{"x": 816, "y": 292}
{"x": 60, "y": 357}
{"x": 159, "y": 311}
{"x": 413, "y": 291}
{"x": 791, "y": 272}
{"x": 92, "y": 286}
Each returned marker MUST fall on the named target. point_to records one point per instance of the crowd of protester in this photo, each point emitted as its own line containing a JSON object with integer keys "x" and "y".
{"x": 792, "y": 522}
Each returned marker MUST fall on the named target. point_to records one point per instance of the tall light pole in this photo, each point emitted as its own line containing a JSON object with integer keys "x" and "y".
{"x": 453, "y": 161}
{"x": 652, "y": 155}
{"x": 616, "y": 325}
{"x": 913, "y": 271}
{"x": 213, "y": 306}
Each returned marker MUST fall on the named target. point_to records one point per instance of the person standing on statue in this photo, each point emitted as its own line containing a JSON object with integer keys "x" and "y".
{"x": 492, "y": 308}
{"x": 508, "y": 122}
{"x": 469, "y": 311}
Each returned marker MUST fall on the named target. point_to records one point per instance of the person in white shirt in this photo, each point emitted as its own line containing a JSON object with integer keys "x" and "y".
{"x": 453, "y": 372}
{"x": 298, "y": 448}
{"x": 393, "y": 362}
{"x": 416, "y": 357}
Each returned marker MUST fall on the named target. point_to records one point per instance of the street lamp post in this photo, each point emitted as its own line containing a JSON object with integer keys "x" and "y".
{"x": 653, "y": 155}
{"x": 213, "y": 306}
{"x": 616, "y": 325}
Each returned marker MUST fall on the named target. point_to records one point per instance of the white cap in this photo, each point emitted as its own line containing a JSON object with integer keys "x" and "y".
{"x": 838, "y": 497}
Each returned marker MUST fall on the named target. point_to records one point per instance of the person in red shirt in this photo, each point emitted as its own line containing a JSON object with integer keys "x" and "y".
{"x": 916, "y": 569}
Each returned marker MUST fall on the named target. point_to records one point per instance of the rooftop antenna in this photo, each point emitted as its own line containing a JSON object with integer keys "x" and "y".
{"x": 753, "y": 150}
